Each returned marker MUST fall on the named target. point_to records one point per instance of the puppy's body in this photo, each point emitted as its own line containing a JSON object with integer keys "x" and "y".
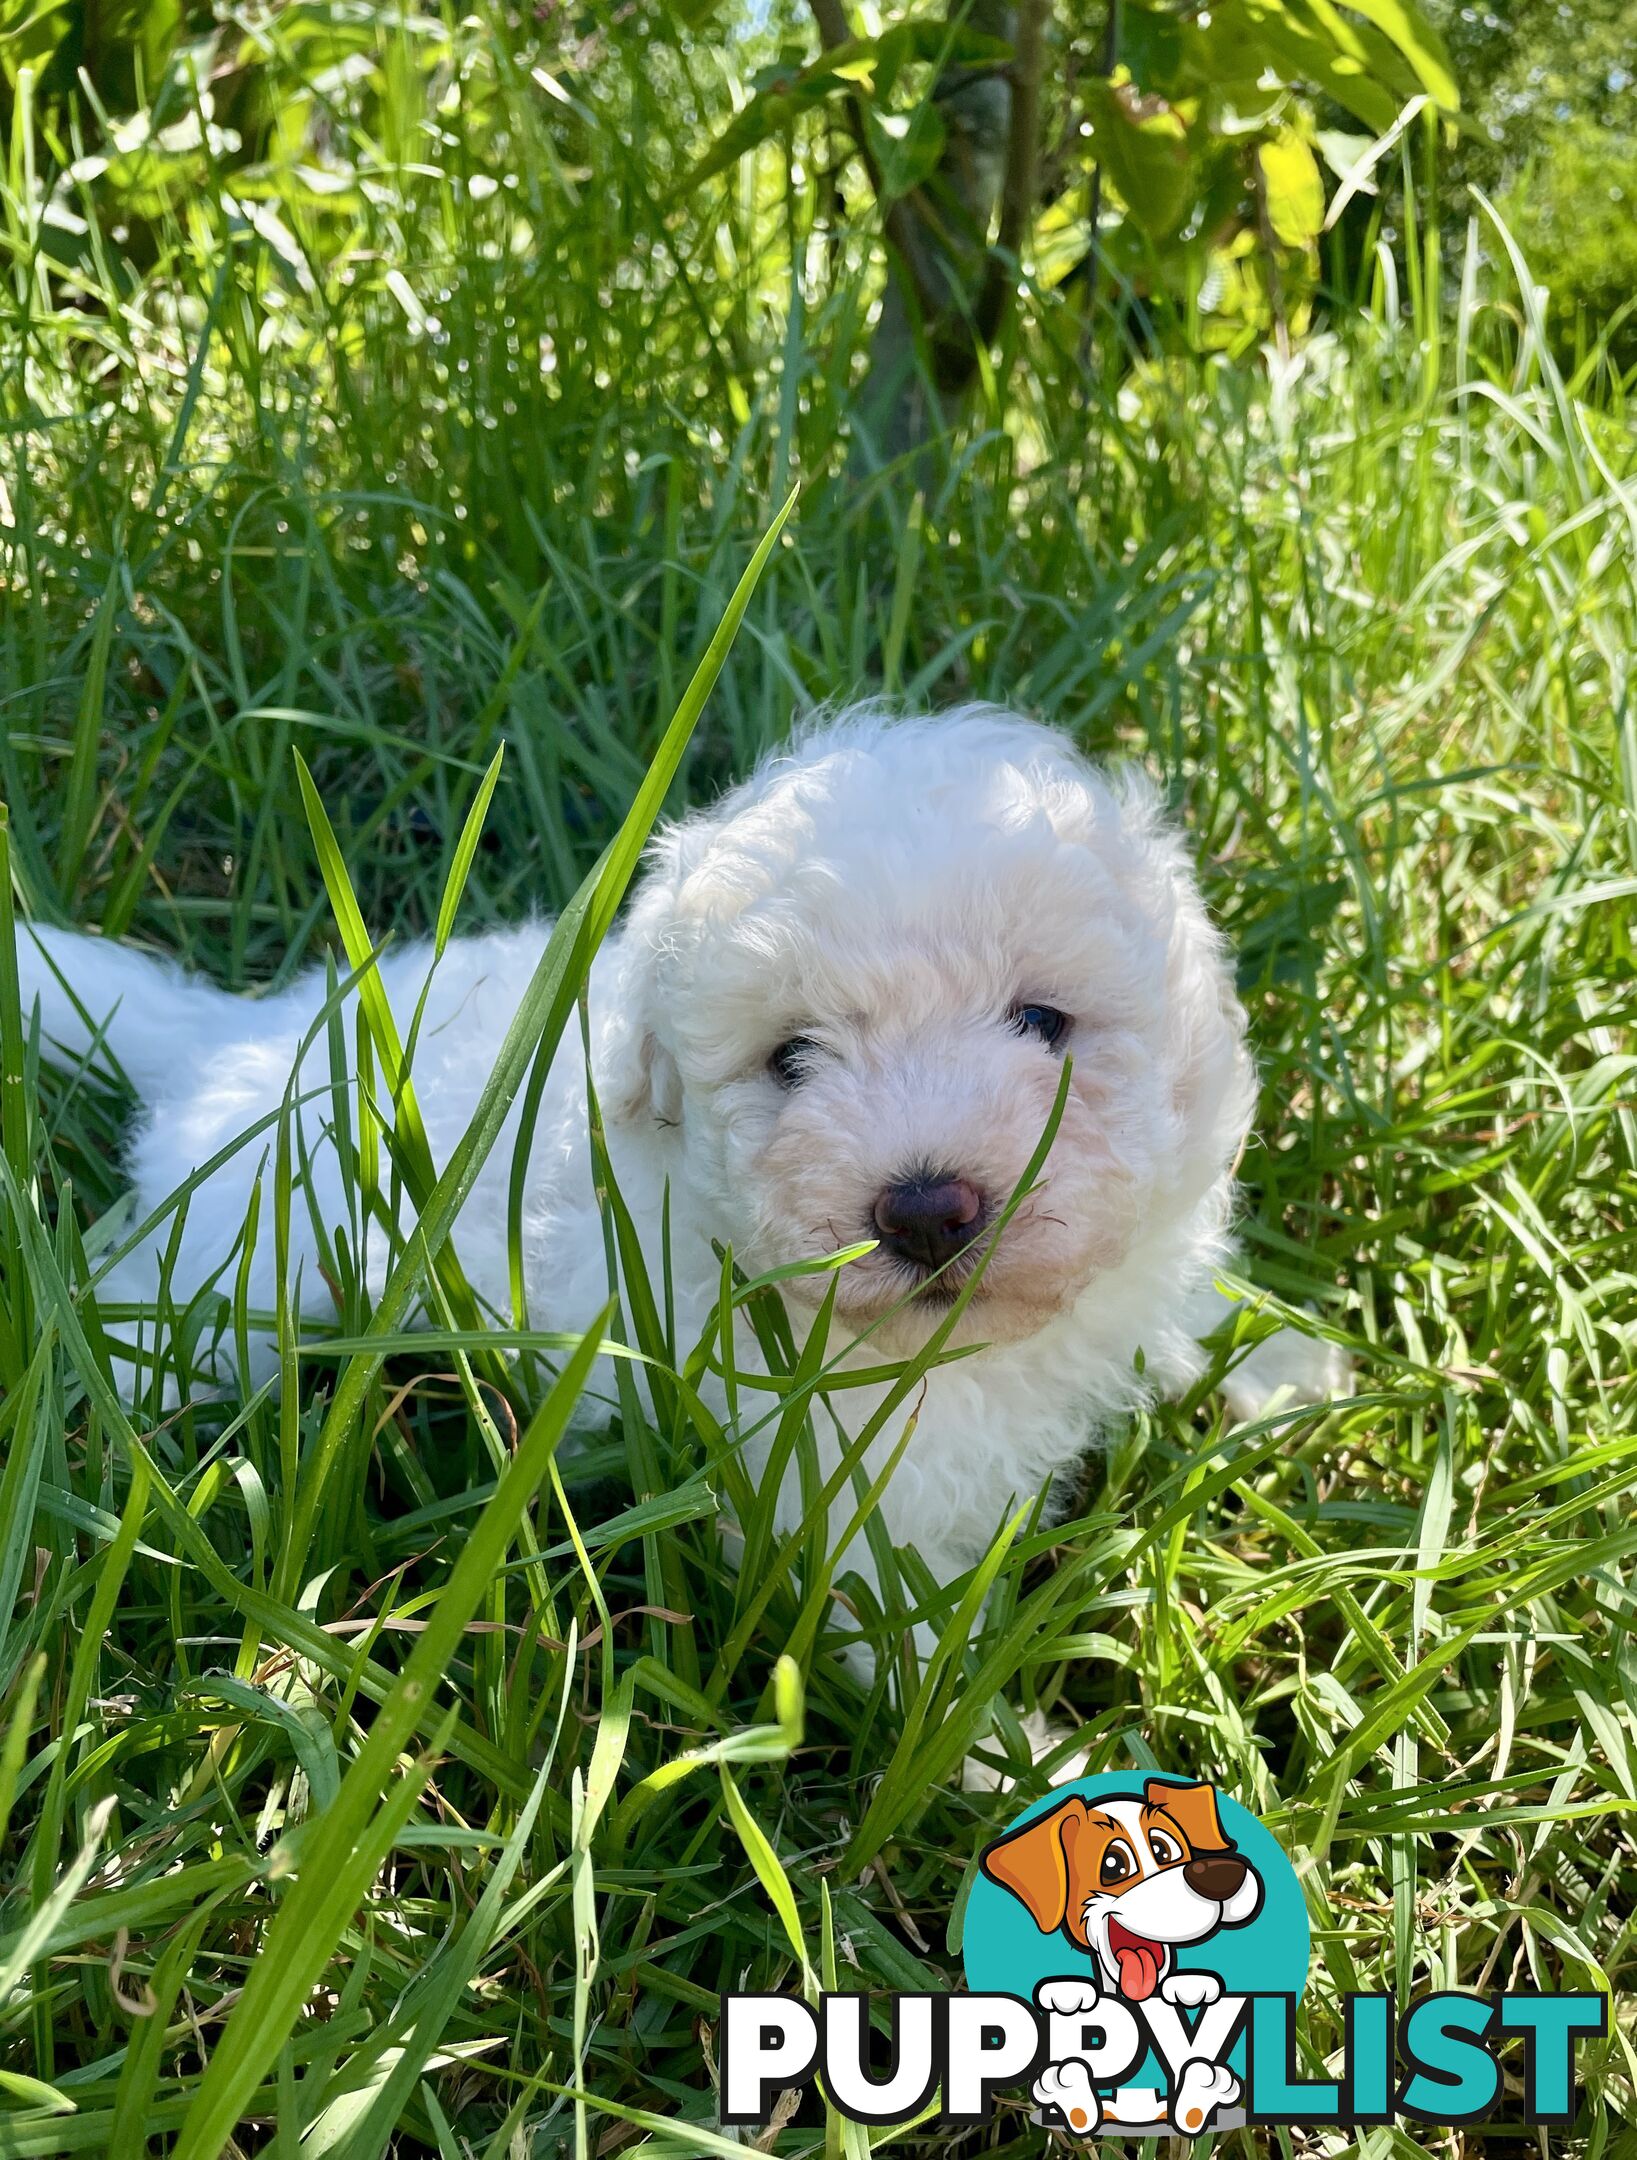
{"x": 826, "y": 997}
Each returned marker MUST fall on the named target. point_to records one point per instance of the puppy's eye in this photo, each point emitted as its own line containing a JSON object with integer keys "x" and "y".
{"x": 791, "y": 1061}
{"x": 1166, "y": 1850}
{"x": 1044, "y": 1022}
{"x": 1119, "y": 1865}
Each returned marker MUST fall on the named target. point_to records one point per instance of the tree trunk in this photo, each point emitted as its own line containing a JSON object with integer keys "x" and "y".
{"x": 948, "y": 289}
{"x": 912, "y": 391}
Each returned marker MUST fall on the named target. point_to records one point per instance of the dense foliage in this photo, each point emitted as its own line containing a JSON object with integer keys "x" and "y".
{"x": 1551, "y": 98}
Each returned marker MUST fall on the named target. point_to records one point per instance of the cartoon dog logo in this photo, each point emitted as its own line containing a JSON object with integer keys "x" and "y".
{"x": 1130, "y": 1879}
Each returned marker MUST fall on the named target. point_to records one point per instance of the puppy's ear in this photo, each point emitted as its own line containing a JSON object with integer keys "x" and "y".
{"x": 640, "y": 1079}
{"x": 637, "y": 1078}
{"x": 1193, "y": 1809}
{"x": 1035, "y": 1863}
{"x": 1213, "y": 1076}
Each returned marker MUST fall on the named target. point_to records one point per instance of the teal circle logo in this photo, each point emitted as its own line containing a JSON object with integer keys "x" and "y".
{"x": 1127, "y": 1908}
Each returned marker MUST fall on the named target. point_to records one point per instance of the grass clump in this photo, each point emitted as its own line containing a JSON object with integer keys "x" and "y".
{"x": 375, "y": 1777}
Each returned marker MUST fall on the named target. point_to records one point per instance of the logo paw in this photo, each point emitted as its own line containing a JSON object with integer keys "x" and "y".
{"x": 1066, "y": 2088}
{"x": 1067, "y": 1998}
{"x": 1202, "y": 2088}
{"x": 1191, "y": 1990}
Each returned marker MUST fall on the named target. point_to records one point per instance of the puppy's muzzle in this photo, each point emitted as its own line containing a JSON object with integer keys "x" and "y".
{"x": 929, "y": 1221}
{"x": 1215, "y": 1875}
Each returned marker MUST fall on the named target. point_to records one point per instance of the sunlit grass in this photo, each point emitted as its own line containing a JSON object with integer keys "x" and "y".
{"x": 1370, "y": 616}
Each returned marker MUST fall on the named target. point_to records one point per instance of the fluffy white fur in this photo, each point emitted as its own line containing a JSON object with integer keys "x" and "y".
{"x": 891, "y": 889}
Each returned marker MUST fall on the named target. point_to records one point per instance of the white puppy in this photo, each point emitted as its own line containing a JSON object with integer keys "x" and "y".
{"x": 838, "y": 1009}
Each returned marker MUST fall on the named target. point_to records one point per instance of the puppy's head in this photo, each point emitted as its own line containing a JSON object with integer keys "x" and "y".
{"x": 853, "y": 984}
{"x": 1130, "y": 1878}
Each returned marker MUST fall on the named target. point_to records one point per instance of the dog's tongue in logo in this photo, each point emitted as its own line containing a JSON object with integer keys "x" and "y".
{"x": 1138, "y": 1960}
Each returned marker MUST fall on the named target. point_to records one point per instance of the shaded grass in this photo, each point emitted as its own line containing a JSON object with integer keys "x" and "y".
{"x": 1369, "y": 614}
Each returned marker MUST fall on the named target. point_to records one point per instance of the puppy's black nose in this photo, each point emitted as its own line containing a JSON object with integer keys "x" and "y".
{"x": 1215, "y": 1875}
{"x": 929, "y": 1220}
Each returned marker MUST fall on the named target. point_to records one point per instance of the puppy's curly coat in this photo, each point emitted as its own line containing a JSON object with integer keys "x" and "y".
{"x": 837, "y": 1009}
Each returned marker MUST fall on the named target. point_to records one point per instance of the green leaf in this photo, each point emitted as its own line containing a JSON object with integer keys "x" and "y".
{"x": 25, "y": 1437}
{"x": 304, "y": 1725}
{"x": 19, "y": 1724}
{"x": 372, "y": 996}
{"x": 528, "y": 1047}
{"x": 33, "y": 35}
{"x": 932, "y": 41}
{"x": 23, "y": 1949}
{"x": 365, "y": 2118}
{"x": 1259, "y": 36}
{"x": 866, "y": 67}
{"x": 465, "y": 850}
{"x": 1293, "y": 189}
{"x": 586, "y": 920}
{"x": 906, "y": 146}
{"x": 771, "y": 1875}
{"x": 34, "y": 2093}
{"x": 768, "y": 113}
{"x": 1144, "y": 149}
{"x": 80, "y": 800}
{"x": 753, "y": 1743}
{"x": 133, "y": 2111}
{"x": 1415, "y": 36}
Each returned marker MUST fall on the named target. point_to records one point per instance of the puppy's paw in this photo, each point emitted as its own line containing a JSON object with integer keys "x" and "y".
{"x": 1067, "y": 1998}
{"x": 1190, "y": 1990}
{"x": 1066, "y": 2088}
{"x": 1044, "y": 1740}
{"x": 1289, "y": 1368}
{"x": 859, "y": 1659}
{"x": 1202, "y": 2088}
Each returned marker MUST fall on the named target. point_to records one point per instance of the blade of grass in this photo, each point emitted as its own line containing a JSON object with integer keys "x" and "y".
{"x": 335, "y": 1855}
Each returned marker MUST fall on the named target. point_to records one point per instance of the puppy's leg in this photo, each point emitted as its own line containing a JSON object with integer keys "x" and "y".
{"x": 193, "y": 1272}
{"x": 901, "y": 1510}
{"x": 860, "y": 1656}
{"x": 146, "y": 1289}
{"x": 1044, "y": 1740}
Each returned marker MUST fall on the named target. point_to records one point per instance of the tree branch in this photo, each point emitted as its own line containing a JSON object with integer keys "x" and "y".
{"x": 1017, "y": 200}
{"x": 1094, "y": 201}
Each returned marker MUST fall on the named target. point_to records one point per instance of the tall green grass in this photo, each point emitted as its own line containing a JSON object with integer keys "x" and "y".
{"x": 376, "y": 1776}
